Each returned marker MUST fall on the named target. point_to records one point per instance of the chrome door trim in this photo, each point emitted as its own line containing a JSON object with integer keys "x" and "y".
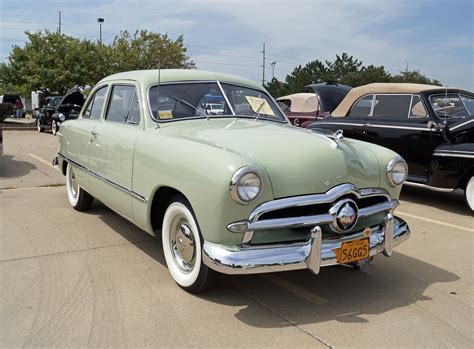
{"x": 134, "y": 194}
{"x": 420, "y": 185}
{"x": 454, "y": 155}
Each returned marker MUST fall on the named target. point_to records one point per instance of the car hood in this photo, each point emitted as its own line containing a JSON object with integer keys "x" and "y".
{"x": 297, "y": 161}
{"x": 73, "y": 96}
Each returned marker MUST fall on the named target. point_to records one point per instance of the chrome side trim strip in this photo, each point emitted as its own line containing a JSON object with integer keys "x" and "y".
{"x": 339, "y": 123}
{"x": 420, "y": 185}
{"x": 134, "y": 194}
{"x": 454, "y": 155}
{"x": 461, "y": 125}
{"x": 399, "y": 127}
{"x": 457, "y": 151}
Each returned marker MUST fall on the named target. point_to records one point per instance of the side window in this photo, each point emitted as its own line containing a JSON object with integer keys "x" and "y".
{"x": 362, "y": 107}
{"x": 392, "y": 106}
{"x": 417, "y": 109}
{"x": 134, "y": 117}
{"x": 94, "y": 108}
{"x": 120, "y": 103}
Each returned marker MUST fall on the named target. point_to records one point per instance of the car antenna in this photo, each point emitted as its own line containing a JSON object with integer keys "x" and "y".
{"x": 158, "y": 95}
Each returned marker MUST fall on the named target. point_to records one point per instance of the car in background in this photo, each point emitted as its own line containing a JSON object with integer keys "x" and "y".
{"x": 215, "y": 108}
{"x": 59, "y": 109}
{"x": 300, "y": 108}
{"x": 431, "y": 127}
{"x": 225, "y": 192}
{"x": 317, "y": 103}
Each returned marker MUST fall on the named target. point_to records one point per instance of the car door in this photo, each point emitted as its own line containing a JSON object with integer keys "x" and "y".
{"x": 353, "y": 123}
{"x": 112, "y": 148}
{"x": 79, "y": 136}
{"x": 400, "y": 122}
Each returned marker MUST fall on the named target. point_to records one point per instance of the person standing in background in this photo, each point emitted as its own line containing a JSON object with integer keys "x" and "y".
{"x": 18, "y": 108}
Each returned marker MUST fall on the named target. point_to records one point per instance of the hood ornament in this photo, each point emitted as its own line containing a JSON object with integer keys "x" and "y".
{"x": 338, "y": 136}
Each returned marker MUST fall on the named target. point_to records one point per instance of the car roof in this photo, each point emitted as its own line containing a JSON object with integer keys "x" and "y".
{"x": 302, "y": 102}
{"x": 149, "y": 77}
{"x": 358, "y": 92}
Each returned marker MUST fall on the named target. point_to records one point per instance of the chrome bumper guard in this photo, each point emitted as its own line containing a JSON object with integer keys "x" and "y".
{"x": 313, "y": 254}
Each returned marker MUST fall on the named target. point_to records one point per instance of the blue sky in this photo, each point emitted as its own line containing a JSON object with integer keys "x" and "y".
{"x": 433, "y": 36}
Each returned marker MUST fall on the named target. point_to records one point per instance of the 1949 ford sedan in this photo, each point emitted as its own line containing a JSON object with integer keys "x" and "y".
{"x": 225, "y": 192}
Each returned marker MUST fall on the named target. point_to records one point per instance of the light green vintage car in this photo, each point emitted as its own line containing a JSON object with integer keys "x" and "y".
{"x": 235, "y": 192}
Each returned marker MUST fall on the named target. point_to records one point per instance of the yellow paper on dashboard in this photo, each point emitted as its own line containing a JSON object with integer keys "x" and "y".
{"x": 259, "y": 105}
{"x": 166, "y": 114}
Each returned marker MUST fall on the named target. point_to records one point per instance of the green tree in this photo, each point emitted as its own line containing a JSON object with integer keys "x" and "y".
{"x": 414, "y": 76}
{"x": 366, "y": 75}
{"x": 277, "y": 88}
{"x": 53, "y": 63}
{"x": 343, "y": 66}
{"x": 144, "y": 49}
{"x": 313, "y": 72}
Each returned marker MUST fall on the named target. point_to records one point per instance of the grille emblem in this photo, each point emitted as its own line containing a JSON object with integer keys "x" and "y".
{"x": 345, "y": 213}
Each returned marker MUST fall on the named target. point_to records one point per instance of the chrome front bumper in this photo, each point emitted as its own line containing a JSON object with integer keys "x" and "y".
{"x": 313, "y": 254}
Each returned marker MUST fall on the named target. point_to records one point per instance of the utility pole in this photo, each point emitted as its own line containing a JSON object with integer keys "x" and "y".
{"x": 273, "y": 69}
{"x": 263, "y": 65}
{"x": 59, "y": 27}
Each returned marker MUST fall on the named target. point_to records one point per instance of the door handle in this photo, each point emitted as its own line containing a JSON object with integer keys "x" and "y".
{"x": 94, "y": 133}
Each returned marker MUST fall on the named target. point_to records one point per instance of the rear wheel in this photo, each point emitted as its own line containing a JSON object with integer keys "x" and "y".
{"x": 38, "y": 125}
{"x": 182, "y": 246}
{"x": 469, "y": 193}
{"x": 78, "y": 197}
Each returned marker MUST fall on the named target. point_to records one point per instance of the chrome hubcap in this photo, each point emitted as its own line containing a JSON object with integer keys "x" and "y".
{"x": 182, "y": 244}
{"x": 73, "y": 184}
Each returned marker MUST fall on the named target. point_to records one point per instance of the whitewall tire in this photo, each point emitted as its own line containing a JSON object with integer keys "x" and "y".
{"x": 78, "y": 197}
{"x": 54, "y": 127}
{"x": 469, "y": 193}
{"x": 182, "y": 247}
{"x": 38, "y": 125}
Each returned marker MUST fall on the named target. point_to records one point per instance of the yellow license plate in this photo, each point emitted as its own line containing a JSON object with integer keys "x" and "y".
{"x": 352, "y": 251}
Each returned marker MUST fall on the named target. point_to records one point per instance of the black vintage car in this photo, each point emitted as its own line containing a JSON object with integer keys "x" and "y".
{"x": 58, "y": 109}
{"x": 431, "y": 127}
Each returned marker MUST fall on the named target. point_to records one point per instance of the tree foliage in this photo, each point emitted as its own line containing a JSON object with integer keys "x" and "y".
{"x": 345, "y": 70}
{"x": 53, "y": 63}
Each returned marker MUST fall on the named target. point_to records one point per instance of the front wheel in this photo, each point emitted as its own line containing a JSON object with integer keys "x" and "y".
{"x": 182, "y": 248}
{"x": 78, "y": 197}
{"x": 54, "y": 127}
{"x": 469, "y": 193}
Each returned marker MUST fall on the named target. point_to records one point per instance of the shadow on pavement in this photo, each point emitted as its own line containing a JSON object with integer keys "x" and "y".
{"x": 450, "y": 202}
{"x": 11, "y": 168}
{"x": 379, "y": 287}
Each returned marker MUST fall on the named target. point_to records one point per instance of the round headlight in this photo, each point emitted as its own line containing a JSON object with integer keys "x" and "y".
{"x": 62, "y": 117}
{"x": 397, "y": 171}
{"x": 245, "y": 185}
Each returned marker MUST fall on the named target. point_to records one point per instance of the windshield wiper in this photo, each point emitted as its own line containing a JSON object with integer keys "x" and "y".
{"x": 258, "y": 110}
{"x": 199, "y": 110}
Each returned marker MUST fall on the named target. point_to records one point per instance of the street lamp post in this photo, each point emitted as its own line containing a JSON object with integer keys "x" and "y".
{"x": 273, "y": 69}
{"x": 100, "y": 21}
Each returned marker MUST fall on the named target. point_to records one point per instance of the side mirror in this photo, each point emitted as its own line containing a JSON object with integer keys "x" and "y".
{"x": 431, "y": 124}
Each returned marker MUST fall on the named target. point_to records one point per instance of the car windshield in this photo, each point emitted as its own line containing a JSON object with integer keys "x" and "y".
{"x": 452, "y": 105}
{"x": 179, "y": 101}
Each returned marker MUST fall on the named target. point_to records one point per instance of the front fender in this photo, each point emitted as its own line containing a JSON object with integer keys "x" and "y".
{"x": 201, "y": 173}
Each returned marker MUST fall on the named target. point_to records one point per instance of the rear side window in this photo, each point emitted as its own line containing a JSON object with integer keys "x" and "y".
{"x": 362, "y": 107}
{"x": 94, "y": 109}
{"x": 120, "y": 104}
{"x": 392, "y": 106}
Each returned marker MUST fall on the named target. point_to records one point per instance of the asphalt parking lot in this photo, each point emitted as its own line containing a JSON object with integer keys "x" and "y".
{"x": 72, "y": 279}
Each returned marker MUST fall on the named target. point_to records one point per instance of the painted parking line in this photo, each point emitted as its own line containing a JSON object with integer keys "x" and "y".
{"x": 43, "y": 161}
{"x": 295, "y": 289}
{"x": 436, "y": 222}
